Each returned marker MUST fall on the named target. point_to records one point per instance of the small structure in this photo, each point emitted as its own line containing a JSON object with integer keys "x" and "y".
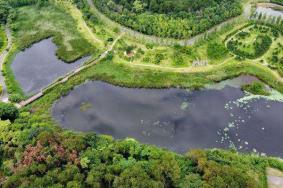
{"x": 200, "y": 63}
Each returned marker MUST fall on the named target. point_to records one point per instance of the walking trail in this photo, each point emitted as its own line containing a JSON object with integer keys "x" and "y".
{"x": 167, "y": 41}
{"x": 274, "y": 178}
{"x": 4, "y": 96}
{"x": 66, "y": 77}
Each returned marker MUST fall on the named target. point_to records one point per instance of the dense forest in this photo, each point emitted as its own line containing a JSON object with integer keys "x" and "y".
{"x": 173, "y": 19}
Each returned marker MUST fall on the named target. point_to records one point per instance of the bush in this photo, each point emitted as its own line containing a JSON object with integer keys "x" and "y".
{"x": 16, "y": 98}
{"x": 8, "y": 112}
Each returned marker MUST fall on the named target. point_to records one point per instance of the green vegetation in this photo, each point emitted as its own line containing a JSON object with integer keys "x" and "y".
{"x": 256, "y": 88}
{"x": 35, "y": 152}
{"x": 216, "y": 50}
{"x": 280, "y": 2}
{"x": 4, "y": 11}
{"x": 252, "y": 42}
{"x": 8, "y": 112}
{"x": 31, "y": 24}
{"x": 275, "y": 59}
{"x": 3, "y": 39}
{"x": 171, "y": 18}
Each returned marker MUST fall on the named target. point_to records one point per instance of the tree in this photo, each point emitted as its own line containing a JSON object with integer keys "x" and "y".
{"x": 138, "y": 6}
{"x": 4, "y": 11}
{"x": 8, "y": 111}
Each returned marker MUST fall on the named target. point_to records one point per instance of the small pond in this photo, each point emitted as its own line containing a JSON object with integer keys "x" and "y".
{"x": 268, "y": 11}
{"x": 36, "y": 67}
{"x": 221, "y": 116}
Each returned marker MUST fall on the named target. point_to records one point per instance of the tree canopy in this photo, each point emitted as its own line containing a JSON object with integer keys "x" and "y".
{"x": 170, "y": 18}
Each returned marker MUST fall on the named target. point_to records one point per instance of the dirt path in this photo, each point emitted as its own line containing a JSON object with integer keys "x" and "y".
{"x": 5, "y": 97}
{"x": 274, "y": 178}
{"x": 82, "y": 26}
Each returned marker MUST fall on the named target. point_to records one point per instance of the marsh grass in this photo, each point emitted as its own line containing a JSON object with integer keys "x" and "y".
{"x": 256, "y": 88}
{"x": 33, "y": 24}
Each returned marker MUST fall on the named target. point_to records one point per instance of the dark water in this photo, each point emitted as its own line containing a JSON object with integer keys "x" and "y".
{"x": 37, "y": 66}
{"x": 176, "y": 119}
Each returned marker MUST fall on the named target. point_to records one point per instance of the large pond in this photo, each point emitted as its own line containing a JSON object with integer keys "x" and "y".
{"x": 37, "y": 66}
{"x": 177, "y": 119}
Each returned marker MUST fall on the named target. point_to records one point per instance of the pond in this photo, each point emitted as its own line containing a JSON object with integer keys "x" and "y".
{"x": 36, "y": 67}
{"x": 269, "y": 11}
{"x": 221, "y": 116}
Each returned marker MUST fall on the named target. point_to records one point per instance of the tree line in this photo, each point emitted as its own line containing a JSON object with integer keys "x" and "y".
{"x": 172, "y": 19}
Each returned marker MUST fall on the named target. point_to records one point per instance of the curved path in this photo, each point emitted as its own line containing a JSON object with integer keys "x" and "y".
{"x": 4, "y": 96}
{"x": 167, "y": 41}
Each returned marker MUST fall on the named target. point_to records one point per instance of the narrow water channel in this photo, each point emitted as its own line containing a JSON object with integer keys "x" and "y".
{"x": 36, "y": 67}
{"x": 176, "y": 119}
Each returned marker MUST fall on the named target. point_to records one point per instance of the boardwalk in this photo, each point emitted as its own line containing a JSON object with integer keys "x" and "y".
{"x": 66, "y": 77}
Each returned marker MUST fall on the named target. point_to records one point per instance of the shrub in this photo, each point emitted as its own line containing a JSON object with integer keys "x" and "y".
{"x": 8, "y": 112}
{"x": 16, "y": 98}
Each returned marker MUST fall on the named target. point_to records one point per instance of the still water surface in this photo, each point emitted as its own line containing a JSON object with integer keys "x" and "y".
{"x": 176, "y": 119}
{"x": 36, "y": 67}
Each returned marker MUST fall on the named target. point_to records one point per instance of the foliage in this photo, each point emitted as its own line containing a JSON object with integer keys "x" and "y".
{"x": 4, "y": 11}
{"x": 280, "y": 2}
{"x": 32, "y": 24}
{"x": 260, "y": 45}
{"x": 34, "y": 152}
{"x": 174, "y": 19}
{"x": 3, "y": 39}
{"x": 216, "y": 50}
{"x": 275, "y": 59}
{"x": 256, "y": 88}
{"x": 50, "y": 21}
{"x": 8, "y": 112}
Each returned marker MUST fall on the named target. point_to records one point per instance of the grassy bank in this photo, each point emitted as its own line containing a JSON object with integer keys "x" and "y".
{"x": 3, "y": 39}
{"x": 32, "y": 24}
{"x": 103, "y": 161}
